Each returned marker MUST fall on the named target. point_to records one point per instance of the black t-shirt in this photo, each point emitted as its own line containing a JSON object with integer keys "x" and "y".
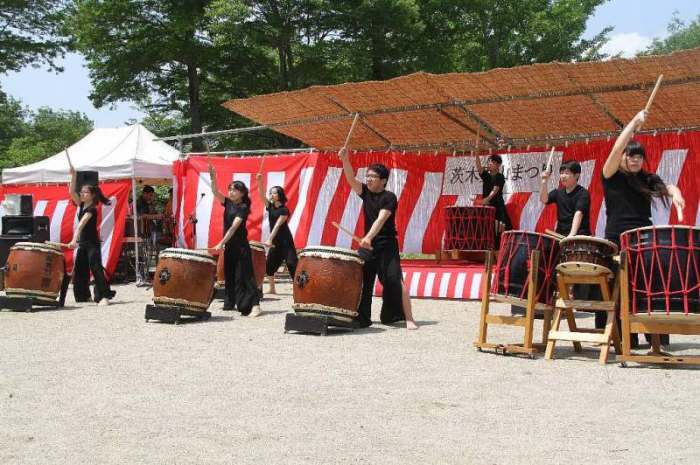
{"x": 231, "y": 211}
{"x": 89, "y": 232}
{"x": 489, "y": 182}
{"x": 626, "y": 208}
{"x": 284, "y": 235}
{"x": 145, "y": 208}
{"x": 372, "y": 203}
{"x": 568, "y": 203}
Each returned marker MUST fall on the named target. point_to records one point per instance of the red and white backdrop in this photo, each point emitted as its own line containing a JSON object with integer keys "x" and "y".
{"x": 53, "y": 201}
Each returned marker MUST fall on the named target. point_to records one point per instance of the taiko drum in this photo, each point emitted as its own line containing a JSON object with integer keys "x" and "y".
{"x": 586, "y": 256}
{"x": 35, "y": 270}
{"x": 470, "y": 228}
{"x": 184, "y": 278}
{"x": 257, "y": 252}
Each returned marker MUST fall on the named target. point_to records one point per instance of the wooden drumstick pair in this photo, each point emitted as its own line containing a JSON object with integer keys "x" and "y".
{"x": 58, "y": 244}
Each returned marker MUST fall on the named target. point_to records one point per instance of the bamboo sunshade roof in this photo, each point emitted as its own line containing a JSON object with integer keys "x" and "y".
{"x": 515, "y": 106}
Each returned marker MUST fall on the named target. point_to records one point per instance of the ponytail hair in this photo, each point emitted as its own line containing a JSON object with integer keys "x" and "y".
{"x": 241, "y": 187}
{"x": 97, "y": 194}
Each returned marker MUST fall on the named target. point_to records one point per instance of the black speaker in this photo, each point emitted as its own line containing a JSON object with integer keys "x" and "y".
{"x": 86, "y": 177}
{"x": 34, "y": 226}
{"x": 26, "y": 205}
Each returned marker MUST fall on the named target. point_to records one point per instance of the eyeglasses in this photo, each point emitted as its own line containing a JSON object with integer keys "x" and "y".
{"x": 635, "y": 157}
{"x": 371, "y": 176}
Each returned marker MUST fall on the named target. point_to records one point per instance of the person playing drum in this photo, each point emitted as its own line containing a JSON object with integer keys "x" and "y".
{"x": 240, "y": 287}
{"x": 379, "y": 247}
{"x": 280, "y": 242}
{"x": 629, "y": 189}
{"x": 492, "y": 187}
{"x": 572, "y": 199}
{"x": 88, "y": 257}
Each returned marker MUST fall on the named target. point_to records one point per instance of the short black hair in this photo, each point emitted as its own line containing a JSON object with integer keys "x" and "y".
{"x": 147, "y": 189}
{"x": 496, "y": 159}
{"x": 571, "y": 165}
{"x": 380, "y": 169}
{"x": 635, "y": 148}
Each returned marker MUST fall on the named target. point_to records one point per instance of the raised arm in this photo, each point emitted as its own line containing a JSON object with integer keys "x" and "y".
{"x": 261, "y": 191}
{"x": 214, "y": 189}
{"x": 479, "y": 166}
{"x": 366, "y": 242}
{"x": 73, "y": 182}
{"x": 544, "y": 194}
{"x": 355, "y": 184}
{"x": 612, "y": 164}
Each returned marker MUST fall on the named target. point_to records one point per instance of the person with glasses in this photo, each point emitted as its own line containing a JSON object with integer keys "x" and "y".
{"x": 280, "y": 242}
{"x": 629, "y": 190}
{"x": 379, "y": 247}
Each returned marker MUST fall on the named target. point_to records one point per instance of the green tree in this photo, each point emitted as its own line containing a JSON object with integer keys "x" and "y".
{"x": 30, "y": 33}
{"x": 47, "y": 133}
{"x": 682, "y": 36}
{"x": 12, "y": 124}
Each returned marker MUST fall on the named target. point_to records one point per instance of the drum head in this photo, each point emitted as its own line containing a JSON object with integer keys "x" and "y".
{"x": 339, "y": 253}
{"x": 582, "y": 269}
{"x": 50, "y": 248}
{"x": 187, "y": 254}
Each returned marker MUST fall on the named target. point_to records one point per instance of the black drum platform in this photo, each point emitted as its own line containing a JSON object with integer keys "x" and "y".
{"x": 27, "y": 304}
{"x": 320, "y": 324}
{"x": 174, "y": 314}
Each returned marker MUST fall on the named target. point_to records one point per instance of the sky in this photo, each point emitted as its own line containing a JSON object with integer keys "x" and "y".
{"x": 636, "y": 23}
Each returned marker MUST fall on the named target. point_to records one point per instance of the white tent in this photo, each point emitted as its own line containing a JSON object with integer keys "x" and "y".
{"x": 116, "y": 153}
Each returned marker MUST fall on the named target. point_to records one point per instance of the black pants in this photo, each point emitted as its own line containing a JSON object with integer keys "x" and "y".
{"x": 239, "y": 279}
{"x": 382, "y": 261}
{"x": 281, "y": 253}
{"x": 88, "y": 258}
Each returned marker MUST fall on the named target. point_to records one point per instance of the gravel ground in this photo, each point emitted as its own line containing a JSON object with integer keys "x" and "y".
{"x": 96, "y": 385}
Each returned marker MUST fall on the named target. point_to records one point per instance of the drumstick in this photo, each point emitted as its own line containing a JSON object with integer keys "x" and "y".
{"x": 352, "y": 129}
{"x": 262, "y": 162}
{"x": 58, "y": 244}
{"x": 347, "y": 231}
{"x": 70, "y": 165}
{"x": 554, "y": 234}
{"x": 653, "y": 93}
{"x": 549, "y": 161}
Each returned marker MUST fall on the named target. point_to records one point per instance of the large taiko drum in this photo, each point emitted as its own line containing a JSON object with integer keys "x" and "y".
{"x": 470, "y": 228}
{"x": 513, "y": 265}
{"x": 257, "y": 252}
{"x": 328, "y": 281}
{"x": 586, "y": 256}
{"x": 35, "y": 270}
{"x": 184, "y": 278}
{"x": 663, "y": 267}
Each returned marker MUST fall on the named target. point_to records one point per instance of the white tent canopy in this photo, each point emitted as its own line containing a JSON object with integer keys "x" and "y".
{"x": 116, "y": 153}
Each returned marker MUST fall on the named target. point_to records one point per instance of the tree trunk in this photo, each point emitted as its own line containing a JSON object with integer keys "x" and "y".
{"x": 195, "y": 106}
{"x": 284, "y": 77}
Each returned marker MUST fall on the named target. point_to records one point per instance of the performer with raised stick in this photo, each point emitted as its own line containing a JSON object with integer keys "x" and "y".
{"x": 280, "y": 242}
{"x": 240, "y": 287}
{"x": 379, "y": 246}
{"x": 88, "y": 258}
{"x": 629, "y": 189}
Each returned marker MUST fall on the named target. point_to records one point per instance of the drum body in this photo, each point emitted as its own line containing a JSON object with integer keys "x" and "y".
{"x": 586, "y": 256}
{"x": 470, "y": 228}
{"x": 663, "y": 265}
{"x": 513, "y": 265}
{"x": 257, "y": 252}
{"x": 35, "y": 270}
{"x": 184, "y": 278}
{"x": 328, "y": 281}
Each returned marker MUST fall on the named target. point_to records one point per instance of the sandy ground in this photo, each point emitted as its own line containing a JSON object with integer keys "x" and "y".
{"x": 96, "y": 385}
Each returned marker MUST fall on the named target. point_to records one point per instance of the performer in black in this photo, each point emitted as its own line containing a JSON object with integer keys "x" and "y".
{"x": 280, "y": 242}
{"x": 572, "y": 199}
{"x": 379, "y": 247}
{"x": 492, "y": 187}
{"x": 88, "y": 257}
{"x": 240, "y": 286}
{"x": 629, "y": 191}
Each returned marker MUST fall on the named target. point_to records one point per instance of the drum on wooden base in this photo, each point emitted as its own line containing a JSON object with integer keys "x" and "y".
{"x": 257, "y": 252}
{"x": 328, "y": 281}
{"x": 513, "y": 265}
{"x": 586, "y": 256}
{"x": 35, "y": 271}
{"x": 663, "y": 267}
{"x": 184, "y": 278}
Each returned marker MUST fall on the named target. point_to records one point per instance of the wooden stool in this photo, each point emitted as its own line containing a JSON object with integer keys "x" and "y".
{"x": 527, "y": 321}
{"x": 566, "y": 305}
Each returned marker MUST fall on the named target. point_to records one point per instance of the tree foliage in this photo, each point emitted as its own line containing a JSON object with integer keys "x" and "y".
{"x": 30, "y": 33}
{"x": 682, "y": 36}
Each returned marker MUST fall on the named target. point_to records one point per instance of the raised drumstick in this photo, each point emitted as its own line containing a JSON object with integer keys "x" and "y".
{"x": 347, "y": 231}
{"x": 549, "y": 161}
{"x": 653, "y": 93}
{"x": 352, "y": 129}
